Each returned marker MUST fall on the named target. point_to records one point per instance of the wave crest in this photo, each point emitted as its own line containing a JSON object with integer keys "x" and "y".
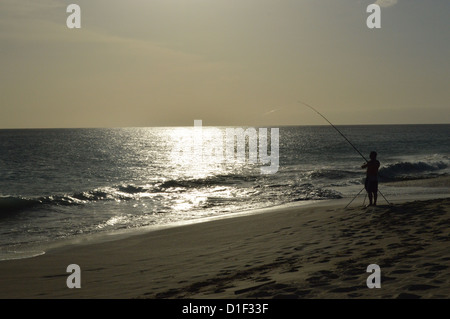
{"x": 411, "y": 170}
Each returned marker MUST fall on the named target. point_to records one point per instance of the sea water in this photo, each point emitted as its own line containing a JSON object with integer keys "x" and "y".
{"x": 63, "y": 183}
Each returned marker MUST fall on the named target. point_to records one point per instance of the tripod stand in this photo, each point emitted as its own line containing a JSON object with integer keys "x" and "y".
{"x": 365, "y": 197}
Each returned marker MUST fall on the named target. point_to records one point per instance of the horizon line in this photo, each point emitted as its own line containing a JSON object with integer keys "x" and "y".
{"x": 185, "y": 126}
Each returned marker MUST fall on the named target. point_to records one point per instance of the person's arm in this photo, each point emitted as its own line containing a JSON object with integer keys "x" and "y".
{"x": 365, "y": 165}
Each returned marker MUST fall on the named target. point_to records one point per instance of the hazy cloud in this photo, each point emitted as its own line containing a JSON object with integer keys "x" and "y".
{"x": 386, "y": 3}
{"x": 271, "y": 111}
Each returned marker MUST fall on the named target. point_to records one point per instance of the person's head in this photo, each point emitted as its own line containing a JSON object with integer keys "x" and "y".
{"x": 373, "y": 155}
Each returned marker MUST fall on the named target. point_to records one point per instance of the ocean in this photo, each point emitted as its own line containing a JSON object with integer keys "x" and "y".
{"x": 59, "y": 184}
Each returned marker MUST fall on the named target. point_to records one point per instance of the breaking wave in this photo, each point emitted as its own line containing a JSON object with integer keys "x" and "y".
{"x": 412, "y": 170}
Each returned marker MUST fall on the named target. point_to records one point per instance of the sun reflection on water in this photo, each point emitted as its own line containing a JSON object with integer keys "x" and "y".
{"x": 197, "y": 153}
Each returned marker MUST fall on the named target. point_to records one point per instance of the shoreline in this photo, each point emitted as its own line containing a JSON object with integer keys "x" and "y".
{"x": 38, "y": 249}
{"x": 311, "y": 251}
{"x": 441, "y": 182}
{"x": 434, "y": 187}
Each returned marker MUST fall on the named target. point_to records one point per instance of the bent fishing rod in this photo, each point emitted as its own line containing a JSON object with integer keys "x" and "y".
{"x": 354, "y": 147}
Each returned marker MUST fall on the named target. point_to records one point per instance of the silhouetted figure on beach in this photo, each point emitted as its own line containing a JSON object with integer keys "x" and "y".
{"x": 371, "y": 183}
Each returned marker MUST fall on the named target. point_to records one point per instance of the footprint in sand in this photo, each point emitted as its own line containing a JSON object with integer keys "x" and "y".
{"x": 420, "y": 287}
{"x": 346, "y": 289}
{"x": 401, "y": 271}
{"x": 427, "y": 275}
{"x": 405, "y": 295}
{"x": 438, "y": 268}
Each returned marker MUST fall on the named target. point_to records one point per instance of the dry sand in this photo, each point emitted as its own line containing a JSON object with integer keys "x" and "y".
{"x": 319, "y": 251}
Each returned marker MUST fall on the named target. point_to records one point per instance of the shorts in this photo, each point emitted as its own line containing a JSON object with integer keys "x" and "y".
{"x": 371, "y": 184}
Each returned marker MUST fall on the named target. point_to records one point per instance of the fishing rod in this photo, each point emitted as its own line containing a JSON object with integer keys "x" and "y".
{"x": 354, "y": 147}
{"x": 335, "y": 129}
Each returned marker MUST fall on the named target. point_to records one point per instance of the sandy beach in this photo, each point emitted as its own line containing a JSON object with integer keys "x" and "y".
{"x": 317, "y": 251}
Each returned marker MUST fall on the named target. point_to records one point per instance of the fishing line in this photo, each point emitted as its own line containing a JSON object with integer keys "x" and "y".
{"x": 354, "y": 147}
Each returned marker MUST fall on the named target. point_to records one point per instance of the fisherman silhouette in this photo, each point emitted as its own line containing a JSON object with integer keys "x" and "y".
{"x": 371, "y": 183}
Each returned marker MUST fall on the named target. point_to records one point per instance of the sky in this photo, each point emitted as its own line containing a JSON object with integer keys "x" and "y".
{"x": 146, "y": 63}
